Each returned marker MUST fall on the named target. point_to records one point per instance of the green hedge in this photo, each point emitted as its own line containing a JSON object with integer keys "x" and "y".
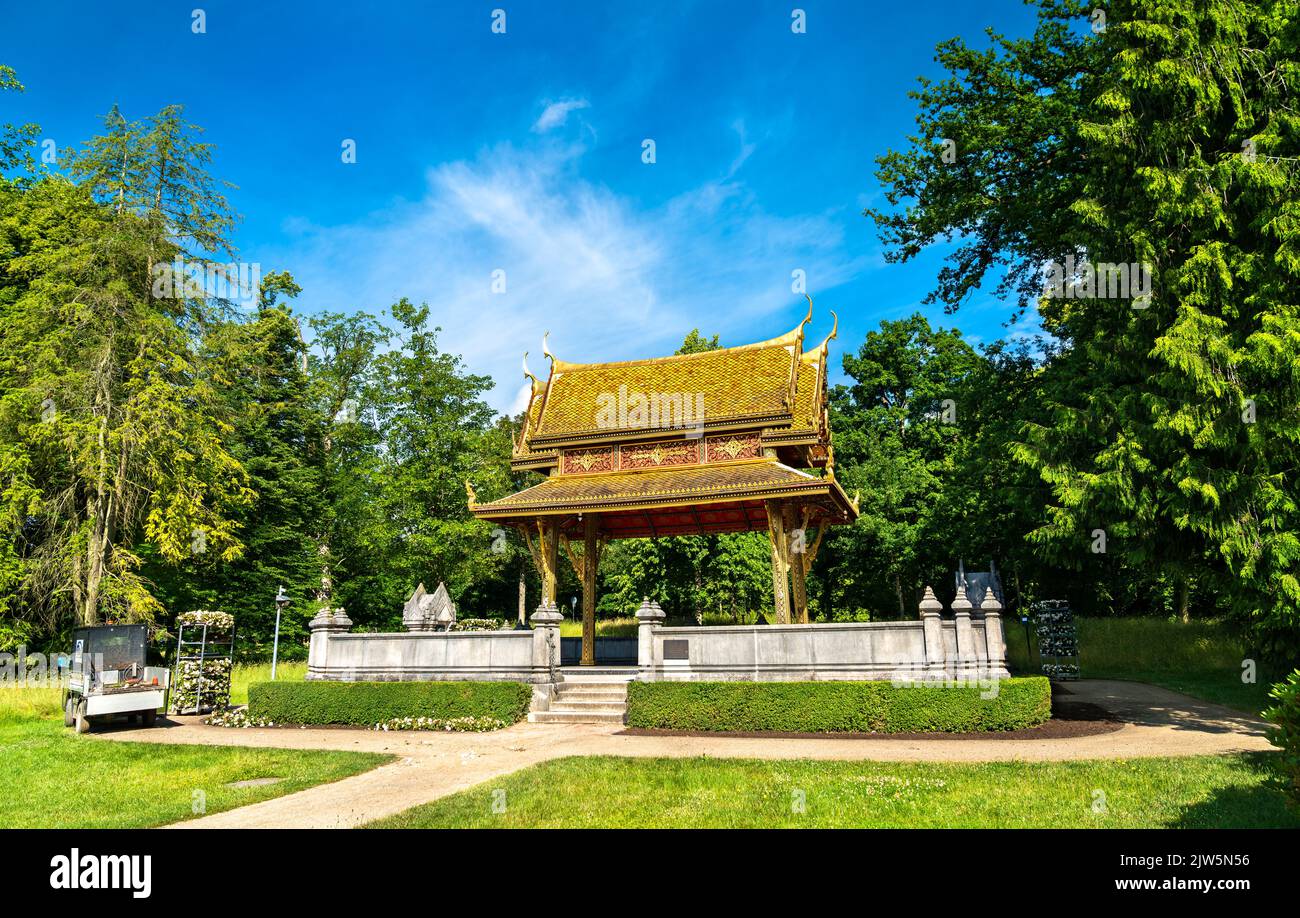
{"x": 369, "y": 703}
{"x": 837, "y": 707}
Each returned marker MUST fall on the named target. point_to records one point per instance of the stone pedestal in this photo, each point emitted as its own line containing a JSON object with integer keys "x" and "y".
{"x": 546, "y": 642}
{"x": 994, "y": 637}
{"x": 935, "y": 654}
{"x": 967, "y": 657}
{"x": 647, "y": 617}
{"x": 326, "y": 622}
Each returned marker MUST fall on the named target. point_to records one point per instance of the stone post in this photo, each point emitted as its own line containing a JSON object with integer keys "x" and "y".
{"x": 994, "y": 638}
{"x": 932, "y": 627}
{"x": 647, "y": 617}
{"x": 546, "y": 643}
{"x": 967, "y": 659}
{"x": 326, "y": 622}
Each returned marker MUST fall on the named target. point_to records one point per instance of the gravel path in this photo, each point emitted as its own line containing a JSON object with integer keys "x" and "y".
{"x": 1156, "y": 722}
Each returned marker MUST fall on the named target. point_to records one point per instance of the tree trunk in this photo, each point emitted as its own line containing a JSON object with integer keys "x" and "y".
{"x": 1183, "y": 599}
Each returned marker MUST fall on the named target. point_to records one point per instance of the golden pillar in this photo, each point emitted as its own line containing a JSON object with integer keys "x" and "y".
{"x": 590, "y": 560}
{"x": 550, "y": 546}
{"x": 796, "y": 536}
{"x": 780, "y": 561}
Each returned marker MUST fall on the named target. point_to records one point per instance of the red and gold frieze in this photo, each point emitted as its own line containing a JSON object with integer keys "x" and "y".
{"x": 730, "y": 447}
{"x": 585, "y": 461}
{"x": 659, "y": 455}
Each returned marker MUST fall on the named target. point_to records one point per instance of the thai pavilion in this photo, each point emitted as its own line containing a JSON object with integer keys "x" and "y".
{"x": 729, "y": 440}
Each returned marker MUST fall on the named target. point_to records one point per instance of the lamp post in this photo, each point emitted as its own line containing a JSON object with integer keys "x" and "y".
{"x": 280, "y": 602}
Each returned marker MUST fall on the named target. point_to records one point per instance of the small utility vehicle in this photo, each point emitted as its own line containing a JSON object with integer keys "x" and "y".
{"x": 107, "y": 677}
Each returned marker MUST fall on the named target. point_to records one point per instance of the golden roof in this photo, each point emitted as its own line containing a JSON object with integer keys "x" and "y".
{"x": 762, "y": 479}
{"x": 769, "y": 384}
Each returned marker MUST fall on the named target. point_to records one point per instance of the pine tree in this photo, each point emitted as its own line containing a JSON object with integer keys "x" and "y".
{"x": 1165, "y": 141}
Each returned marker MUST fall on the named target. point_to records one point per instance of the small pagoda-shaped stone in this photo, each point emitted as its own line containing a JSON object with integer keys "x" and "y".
{"x": 425, "y": 612}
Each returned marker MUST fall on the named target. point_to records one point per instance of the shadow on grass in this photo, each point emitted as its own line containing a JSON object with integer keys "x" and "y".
{"x": 1261, "y": 803}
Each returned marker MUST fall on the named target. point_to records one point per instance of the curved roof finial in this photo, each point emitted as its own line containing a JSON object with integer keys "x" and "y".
{"x": 546, "y": 351}
{"x": 835, "y": 330}
{"x": 527, "y": 372}
{"x": 807, "y": 318}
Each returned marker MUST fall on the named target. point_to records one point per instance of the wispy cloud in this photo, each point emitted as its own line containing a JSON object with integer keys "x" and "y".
{"x": 608, "y": 277}
{"x": 556, "y": 113}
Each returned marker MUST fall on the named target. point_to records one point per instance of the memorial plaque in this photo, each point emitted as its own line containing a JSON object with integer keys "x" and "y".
{"x": 677, "y": 650}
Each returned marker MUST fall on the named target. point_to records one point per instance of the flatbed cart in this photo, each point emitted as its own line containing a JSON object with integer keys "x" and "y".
{"x": 108, "y": 677}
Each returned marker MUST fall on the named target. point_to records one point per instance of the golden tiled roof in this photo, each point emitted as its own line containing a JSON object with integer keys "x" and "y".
{"x": 722, "y": 385}
{"x": 771, "y": 386}
{"x": 759, "y": 479}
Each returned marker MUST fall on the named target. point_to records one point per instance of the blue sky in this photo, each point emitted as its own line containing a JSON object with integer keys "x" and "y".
{"x": 522, "y": 152}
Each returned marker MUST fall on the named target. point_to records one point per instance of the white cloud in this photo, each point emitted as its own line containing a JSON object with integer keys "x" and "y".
{"x": 556, "y": 113}
{"x": 610, "y": 280}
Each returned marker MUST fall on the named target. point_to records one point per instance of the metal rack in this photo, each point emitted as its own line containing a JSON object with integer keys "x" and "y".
{"x": 208, "y": 651}
{"x": 1058, "y": 639}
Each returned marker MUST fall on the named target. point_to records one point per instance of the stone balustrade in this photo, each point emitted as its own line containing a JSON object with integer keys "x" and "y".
{"x": 968, "y": 646}
{"x": 932, "y": 648}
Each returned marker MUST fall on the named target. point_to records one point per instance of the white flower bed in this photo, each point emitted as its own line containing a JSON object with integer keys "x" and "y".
{"x": 236, "y": 717}
{"x": 447, "y": 725}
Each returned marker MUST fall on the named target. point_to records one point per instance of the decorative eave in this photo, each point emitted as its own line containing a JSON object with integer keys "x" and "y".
{"x": 751, "y": 481}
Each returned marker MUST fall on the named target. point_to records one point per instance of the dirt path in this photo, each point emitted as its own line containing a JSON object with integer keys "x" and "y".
{"x": 1157, "y": 722}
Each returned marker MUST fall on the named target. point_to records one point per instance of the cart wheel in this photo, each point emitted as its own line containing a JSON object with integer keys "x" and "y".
{"x": 69, "y": 718}
{"x": 83, "y": 722}
{"x": 149, "y": 718}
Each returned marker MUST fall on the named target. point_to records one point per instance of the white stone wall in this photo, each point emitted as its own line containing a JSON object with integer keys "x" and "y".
{"x": 491, "y": 656}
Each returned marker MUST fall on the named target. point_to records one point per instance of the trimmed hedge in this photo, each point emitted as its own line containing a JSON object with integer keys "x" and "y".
{"x": 369, "y": 703}
{"x": 837, "y": 707}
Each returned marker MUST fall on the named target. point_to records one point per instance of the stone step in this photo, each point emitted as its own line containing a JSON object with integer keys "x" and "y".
{"x": 569, "y": 704}
{"x": 597, "y": 674}
{"x": 575, "y": 717}
{"x": 618, "y": 697}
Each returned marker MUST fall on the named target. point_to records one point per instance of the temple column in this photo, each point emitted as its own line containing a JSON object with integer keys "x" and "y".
{"x": 550, "y": 548}
{"x": 590, "y": 560}
{"x": 780, "y": 561}
{"x": 796, "y": 540}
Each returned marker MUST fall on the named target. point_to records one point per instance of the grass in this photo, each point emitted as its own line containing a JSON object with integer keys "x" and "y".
{"x": 246, "y": 674}
{"x": 1202, "y": 659}
{"x": 53, "y": 778}
{"x": 612, "y": 792}
{"x": 605, "y": 627}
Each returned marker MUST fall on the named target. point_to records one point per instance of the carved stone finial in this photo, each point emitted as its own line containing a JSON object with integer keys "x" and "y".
{"x": 930, "y": 604}
{"x": 547, "y": 613}
{"x": 649, "y": 612}
{"x": 960, "y": 603}
{"x": 990, "y": 603}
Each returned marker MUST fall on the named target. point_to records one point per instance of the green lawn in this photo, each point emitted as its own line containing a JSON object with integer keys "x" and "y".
{"x": 247, "y": 673}
{"x": 1202, "y": 659}
{"x": 605, "y": 627}
{"x": 1209, "y": 791}
{"x": 53, "y": 778}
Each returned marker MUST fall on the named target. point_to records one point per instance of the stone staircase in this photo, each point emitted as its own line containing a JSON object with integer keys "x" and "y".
{"x": 593, "y": 699}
